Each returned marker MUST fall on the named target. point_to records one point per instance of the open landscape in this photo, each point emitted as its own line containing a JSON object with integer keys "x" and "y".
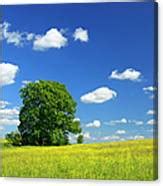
{"x": 130, "y": 160}
{"x": 79, "y": 91}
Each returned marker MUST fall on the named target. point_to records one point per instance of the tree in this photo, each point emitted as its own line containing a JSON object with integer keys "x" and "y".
{"x": 80, "y": 139}
{"x": 47, "y": 115}
{"x": 14, "y": 138}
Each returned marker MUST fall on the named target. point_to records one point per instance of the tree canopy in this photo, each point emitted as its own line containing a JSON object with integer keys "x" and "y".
{"x": 80, "y": 139}
{"x": 47, "y": 115}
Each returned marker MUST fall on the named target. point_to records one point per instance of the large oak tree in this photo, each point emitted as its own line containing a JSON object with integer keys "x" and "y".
{"x": 47, "y": 115}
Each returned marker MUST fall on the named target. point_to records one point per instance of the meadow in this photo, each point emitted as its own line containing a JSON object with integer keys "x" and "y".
{"x": 130, "y": 160}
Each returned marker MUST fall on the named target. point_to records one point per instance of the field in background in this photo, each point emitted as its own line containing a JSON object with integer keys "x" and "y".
{"x": 130, "y": 160}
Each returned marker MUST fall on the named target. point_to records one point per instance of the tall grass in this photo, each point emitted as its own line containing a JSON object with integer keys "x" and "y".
{"x": 131, "y": 160}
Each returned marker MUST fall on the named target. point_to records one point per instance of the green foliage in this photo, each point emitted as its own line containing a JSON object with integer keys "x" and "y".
{"x": 14, "y": 138}
{"x": 47, "y": 115}
{"x": 74, "y": 128}
{"x": 131, "y": 160}
{"x": 80, "y": 139}
{"x": 59, "y": 138}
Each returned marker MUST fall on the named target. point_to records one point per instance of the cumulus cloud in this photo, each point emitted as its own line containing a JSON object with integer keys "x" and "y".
{"x": 52, "y": 39}
{"x": 86, "y": 135}
{"x": 9, "y": 116}
{"x": 5, "y": 121}
{"x": 149, "y": 89}
{"x": 81, "y": 35}
{"x": 8, "y": 73}
{"x": 16, "y": 38}
{"x": 25, "y": 82}
{"x": 120, "y": 121}
{"x": 151, "y": 122}
{"x": 3, "y": 104}
{"x": 1, "y": 128}
{"x": 99, "y": 95}
{"x": 152, "y": 96}
{"x": 120, "y": 132}
{"x": 94, "y": 124}
{"x": 124, "y": 121}
{"x": 128, "y": 74}
{"x": 30, "y": 36}
{"x": 150, "y": 112}
{"x": 138, "y": 137}
{"x": 9, "y": 113}
{"x": 136, "y": 122}
{"x": 110, "y": 138}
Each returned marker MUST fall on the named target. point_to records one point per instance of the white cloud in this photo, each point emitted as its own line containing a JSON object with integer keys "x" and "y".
{"x": 16, "y": 38}
{"x": 4, "y": 30}
{"x": 5, "y": 121}
{"x": 149, "y": 89}
{"x": 9, "y": 113}
{"x": 86, "y": 135}
{"x": 114, "y": 137}
{"x": 25, "y": 82}
{"x": 136, "y": 122}
{"x": 7, "y": 73}
{"x": 150, "y": 112}
{"x": 30, "y": 36}
{"x": 9, "y": 116}
{"x": 94, "y": 124}
{"x": 93, "y": 138}
{"x": 124, "y": 121}
{"x": 121, "y": 121}
{"x": 3, "y": 104}
{"x": 81, "y": 34}
{"x": 152, "y": 96}
{"x": 73, "y": 138}
{"x": 52, "y": 39}
{"x": 120, "y": 132}
{"x": 99, "y": 95}
{"x": 138, "y": 137}
{"x": 128, "y": 74}
{"x": 1, "y": 128}
{"x": 151, "y": 122}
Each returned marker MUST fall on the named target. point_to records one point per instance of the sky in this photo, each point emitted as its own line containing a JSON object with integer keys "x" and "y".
{"x": 103, "y": 53}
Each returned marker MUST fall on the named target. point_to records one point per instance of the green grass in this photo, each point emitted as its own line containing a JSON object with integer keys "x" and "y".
{"x": 131, "y": 160}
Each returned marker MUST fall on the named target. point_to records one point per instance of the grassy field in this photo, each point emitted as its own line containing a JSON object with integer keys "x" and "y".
{"x": 131, "y": 160}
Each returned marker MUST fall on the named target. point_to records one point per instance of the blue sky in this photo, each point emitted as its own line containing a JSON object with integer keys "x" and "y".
{"x": 103, "y": 53}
